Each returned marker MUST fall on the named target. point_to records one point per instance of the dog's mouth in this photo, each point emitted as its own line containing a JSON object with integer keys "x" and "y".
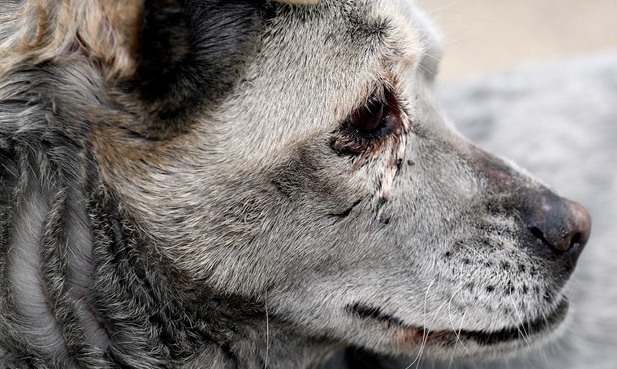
{"x": 524, "y": 332}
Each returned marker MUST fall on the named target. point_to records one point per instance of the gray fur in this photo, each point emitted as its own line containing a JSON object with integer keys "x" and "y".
{"x": 561, "y": 126}
{"x": 560, "y": 123}
{"x": 256, "y": 229}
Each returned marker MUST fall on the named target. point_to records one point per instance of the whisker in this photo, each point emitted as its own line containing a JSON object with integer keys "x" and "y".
{"x": 441, "y": 8}
{"x": 457, "y": 332}
{"x": 433, "y": 57}
{"x": 416, "y": 360}
{"x": 427, "y": 70}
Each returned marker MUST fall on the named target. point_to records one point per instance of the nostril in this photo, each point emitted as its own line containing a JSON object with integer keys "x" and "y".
{"x": 576, "y": 240}
{"x": 537, "y": 233}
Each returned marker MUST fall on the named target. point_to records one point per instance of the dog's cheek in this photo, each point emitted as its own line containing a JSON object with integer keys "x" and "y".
{"x": 313, "y": 176}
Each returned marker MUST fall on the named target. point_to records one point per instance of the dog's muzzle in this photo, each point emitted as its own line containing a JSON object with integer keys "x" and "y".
{"x": 558, "y": 228}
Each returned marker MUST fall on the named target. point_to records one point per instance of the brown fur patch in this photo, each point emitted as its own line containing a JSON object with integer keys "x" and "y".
{"x": 106, "y": 30}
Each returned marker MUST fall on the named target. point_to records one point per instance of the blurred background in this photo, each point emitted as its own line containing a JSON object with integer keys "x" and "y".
{"x": 484, "y": 36}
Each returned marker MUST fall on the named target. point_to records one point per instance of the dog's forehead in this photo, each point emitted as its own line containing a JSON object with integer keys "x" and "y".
{"x": 385, "y": 29}
{"x": 367, "y": 14}
{"x": 316, "y": 64}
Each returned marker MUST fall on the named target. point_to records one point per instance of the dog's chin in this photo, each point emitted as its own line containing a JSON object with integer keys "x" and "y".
{"x": 440, "y": 344}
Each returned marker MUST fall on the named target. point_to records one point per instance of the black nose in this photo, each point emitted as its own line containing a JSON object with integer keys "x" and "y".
{"x": 558, "y": 224}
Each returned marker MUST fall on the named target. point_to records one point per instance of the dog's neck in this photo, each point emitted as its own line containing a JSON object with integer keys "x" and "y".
{"x": 85, "y": 289}
{"x": 186, "y": 317}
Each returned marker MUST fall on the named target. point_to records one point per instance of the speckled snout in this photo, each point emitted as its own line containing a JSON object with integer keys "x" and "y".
{"x": 555, "y": 228}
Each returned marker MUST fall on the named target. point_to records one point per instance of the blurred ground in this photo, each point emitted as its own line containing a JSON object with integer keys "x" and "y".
{"x": 482, "y": 36}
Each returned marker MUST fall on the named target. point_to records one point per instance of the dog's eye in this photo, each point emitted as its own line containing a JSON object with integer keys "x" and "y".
{"x": 367, "y": 119}
{"x": 373, "y": 119}
{"x": 368, "y": 127}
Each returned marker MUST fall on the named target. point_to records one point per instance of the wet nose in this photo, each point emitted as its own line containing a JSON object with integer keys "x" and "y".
{"x": 558, "y": 224}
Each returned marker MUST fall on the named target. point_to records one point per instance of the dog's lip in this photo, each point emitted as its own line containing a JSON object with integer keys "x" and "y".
{"x": 523, "y": 332}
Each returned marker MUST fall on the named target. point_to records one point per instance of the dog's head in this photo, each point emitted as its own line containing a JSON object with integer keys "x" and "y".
{"x": 293, "y": 153}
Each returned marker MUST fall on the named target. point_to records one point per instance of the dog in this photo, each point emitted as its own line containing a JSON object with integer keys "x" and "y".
{"x": 254, "y": 184}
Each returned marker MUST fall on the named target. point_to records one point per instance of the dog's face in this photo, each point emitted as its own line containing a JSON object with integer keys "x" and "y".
{"x": 313, "y": 172}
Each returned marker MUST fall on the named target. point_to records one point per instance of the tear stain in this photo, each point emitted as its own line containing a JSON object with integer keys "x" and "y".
{"x": 386, "y": 154}
{"x": 393, "y": 167}
{"x": 394, "y": 164}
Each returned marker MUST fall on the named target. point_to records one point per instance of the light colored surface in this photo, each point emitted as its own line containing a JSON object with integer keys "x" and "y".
{"x": 482, "y": 36}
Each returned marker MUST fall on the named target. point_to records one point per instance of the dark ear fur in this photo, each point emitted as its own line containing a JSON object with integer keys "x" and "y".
{"x": 192, "y": 52}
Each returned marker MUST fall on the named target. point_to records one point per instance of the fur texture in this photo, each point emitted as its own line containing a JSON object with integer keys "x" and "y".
{"x": 561, "y": 127}
{"x": 239, "y": 184}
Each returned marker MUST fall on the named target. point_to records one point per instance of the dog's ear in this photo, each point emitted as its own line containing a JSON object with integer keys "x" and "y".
{"x": 167, "y": 54}
{"x": 189, "y": 52}
{"x": 183, "y": 53}
{"x": 159, "y": 57}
